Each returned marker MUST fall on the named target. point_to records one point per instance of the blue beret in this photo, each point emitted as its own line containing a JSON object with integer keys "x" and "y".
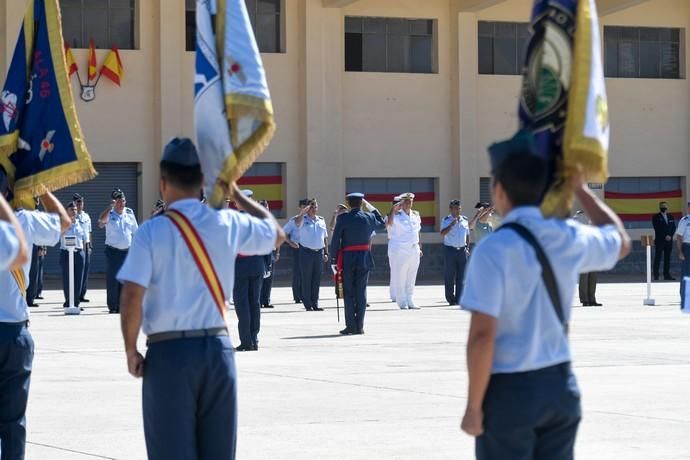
{"x": 520, "y": 144}
{"x": 355, "y": 195}
{"x": 181, "y": 151}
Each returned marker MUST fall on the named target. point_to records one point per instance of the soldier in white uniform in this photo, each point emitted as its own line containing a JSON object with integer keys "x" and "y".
{"x": 85, "y": 221}
{"x": 683, "y": 246}
{"x": 393, "y": 267}
{"x": 77, "y": 231}
{"x": 404, "y": 225}
{"x": 179, "y": 300}
{"x": 120, "y": 223}
{"x": 16, "y": 343}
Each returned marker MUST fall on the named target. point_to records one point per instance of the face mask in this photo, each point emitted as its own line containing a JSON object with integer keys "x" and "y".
{"x": 663, "y": 209}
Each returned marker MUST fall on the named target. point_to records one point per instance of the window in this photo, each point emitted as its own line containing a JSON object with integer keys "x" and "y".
{"x": 380, "y": 193}
{"x": 642, "y": 52}
{"x": 389, "y": 45}
{"x": 107, "y": 22}
{"x": 502, "y": 47}
{"x": 266, "y": 181}
{"x": 636, "y": 199}
{"x": 266, "y": 18}
{"x": 484, "y": 190}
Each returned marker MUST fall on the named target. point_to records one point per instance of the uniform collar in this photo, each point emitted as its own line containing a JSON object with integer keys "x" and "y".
{"x": 187, "y": 203}
{"x": 523, "y": 212}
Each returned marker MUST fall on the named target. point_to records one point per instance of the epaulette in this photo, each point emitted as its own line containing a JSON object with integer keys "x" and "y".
{"x": 129, "y": 211}
{"x": 415, "y": 212}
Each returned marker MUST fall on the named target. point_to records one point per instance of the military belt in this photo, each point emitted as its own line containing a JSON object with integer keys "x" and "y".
{"x": 196, "y": 333}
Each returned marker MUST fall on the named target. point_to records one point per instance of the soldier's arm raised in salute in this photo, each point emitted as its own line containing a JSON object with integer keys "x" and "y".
{"x": 391, "y": 214}
{"x": 103, "y": 217}
{"x": 21, "y": 257}
{"x": 53, "y": 206}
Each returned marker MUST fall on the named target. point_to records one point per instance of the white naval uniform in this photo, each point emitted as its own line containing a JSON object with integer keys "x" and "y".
{"x": 404, "y": 254}
{"x": 393, "y": 269}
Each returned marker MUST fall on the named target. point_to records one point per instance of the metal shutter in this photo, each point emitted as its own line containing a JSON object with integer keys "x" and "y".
{"x": 96, "y": 195}
{"x": 484, "y": 190}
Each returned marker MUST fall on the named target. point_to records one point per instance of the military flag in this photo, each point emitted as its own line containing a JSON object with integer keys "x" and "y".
{"x": 72, "y": 67}
{"x": 563, "y": 101}
{"x": 232, "y": 104}
{"x": 112, "y": 67}
{"x": 42, "y": 147}
{"x": 92, "y": 62}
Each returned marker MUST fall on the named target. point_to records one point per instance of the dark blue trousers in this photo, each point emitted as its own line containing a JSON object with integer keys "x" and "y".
{"x": 685, "y": 271}
{"x": 34, "y": 271}
{"x": 78, "y": 275}
{"x": 85, "y": 278}
{"x": 16, "y": 356}
{"x": 267, "y": 285}
{"x": 190, "y": 399}
{"x": 114, "y": 258}
{"x": 311, "y": 266}
{"x": 296, "y": 276}
{"x": 454, "y": 273}
{"x": 246, "y": 294}
{"x": 530, "y": 415}
{"x": 355, "y": 281}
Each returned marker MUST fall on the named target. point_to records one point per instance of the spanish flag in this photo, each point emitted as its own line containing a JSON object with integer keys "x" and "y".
{"x": 112, "y": 67}
{"x": 42, "y": 147}
{"x": 233, "y": 113}
{"x": 69, "y": 60}
{"x": 424, "y": 203}
{"x": 269, "y": 188}
{"x": 641, "y": 207}
{"x": 92, "y": 61}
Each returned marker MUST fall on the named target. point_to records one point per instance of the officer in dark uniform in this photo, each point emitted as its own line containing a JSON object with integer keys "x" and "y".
{"x": 269, "y": 266}
{"x": 249, "y": 275}
{"x": 351, "y": 251}
{"x": 664, "y": 228}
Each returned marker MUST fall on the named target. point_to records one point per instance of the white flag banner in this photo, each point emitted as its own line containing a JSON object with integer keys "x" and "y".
{"x": 233, "y": 113}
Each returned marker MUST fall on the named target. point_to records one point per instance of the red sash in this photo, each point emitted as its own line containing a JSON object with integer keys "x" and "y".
{"x": 354, "y": 248}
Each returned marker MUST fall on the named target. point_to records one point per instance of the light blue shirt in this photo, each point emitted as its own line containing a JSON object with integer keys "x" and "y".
{"x": 313, "y": 232}
{"x": 177, "y": 297}
{"x": 77, "y": 231}
{"x": 503, "y": 280}
{"x": 457, "y": 236}
{"x": 9, "y": 245}
{"x": 85, "y": 221}
{"x": 40, "y": 229}
{"x": 120, "y": 228}
{"x": 291, "y": 230}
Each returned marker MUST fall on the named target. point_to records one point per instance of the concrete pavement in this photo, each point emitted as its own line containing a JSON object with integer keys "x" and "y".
{"x": 395, "y": 393}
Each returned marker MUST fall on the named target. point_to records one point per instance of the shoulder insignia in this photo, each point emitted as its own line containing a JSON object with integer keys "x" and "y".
{"x": 416, "y": 213}
{"x": 129, "y": 211}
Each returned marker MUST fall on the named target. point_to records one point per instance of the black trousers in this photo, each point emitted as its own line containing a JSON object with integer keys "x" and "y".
{"x": 454, "y": 272}
{"x": 246, "y": 293}
{"x": 16, "y": 358}
{"x": 355, "y": 281}
{"x": 85, "y": 278}
{"x": 311, "y": 266}
{"x": 35, "y": 275}
{"x": 267, "y": 285}
{"x": 587, "y": 287}
{"x": 296, "y": 276}
{"x": 114, "y": 258}
{"x": 78, "y": 273}
{"x": 664, "y": 248}
{"x": 530, "y": 415}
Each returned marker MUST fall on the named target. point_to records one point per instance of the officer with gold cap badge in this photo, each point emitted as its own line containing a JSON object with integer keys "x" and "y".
{"x": 393, "y": 267}
{"x": 176, "y": 290}
{"x": 404, "y": 225}
{"x": 351, "y": 250}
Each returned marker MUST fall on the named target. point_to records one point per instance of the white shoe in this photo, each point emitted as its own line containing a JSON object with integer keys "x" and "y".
{"x": 403, "y": 307}
{"x": 412, "y": 306}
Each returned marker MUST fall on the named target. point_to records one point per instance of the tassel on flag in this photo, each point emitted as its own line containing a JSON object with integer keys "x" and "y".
{"x": 72, "y": 67}
{"x": 112, "y": 67}
{"x": 92, "y": 61}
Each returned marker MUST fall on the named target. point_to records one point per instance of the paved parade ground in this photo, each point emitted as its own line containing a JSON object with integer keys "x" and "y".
{"x": 395, "y": 393}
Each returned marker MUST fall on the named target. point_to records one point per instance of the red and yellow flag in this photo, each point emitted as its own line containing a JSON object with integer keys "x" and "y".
{"x": 424, "y": 203}
{"x": 112, "y": 67}
{"x": 641, "y": 207}
{"x": 92, "y": 61}
{"x": 72, "y": 67}
{"x": 269, "y": 188}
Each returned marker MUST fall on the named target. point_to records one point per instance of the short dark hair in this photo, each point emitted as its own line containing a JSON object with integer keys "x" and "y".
{"x": 354, "y": 202}
{"x": 524, "y": 178}
{"x": 184, "y": 177}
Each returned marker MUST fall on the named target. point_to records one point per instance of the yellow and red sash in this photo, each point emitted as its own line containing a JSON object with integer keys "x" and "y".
{"x": 201, "y": 257}
{"x": 18, "y": 275}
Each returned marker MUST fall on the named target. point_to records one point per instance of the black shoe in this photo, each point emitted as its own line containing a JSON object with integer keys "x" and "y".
{"x": 317, "y": 309}
{"x": 112, "y": 312}
{"x": 297, "y": 301}
{"x": 255, "y": 348}
{"x": 669, "y": 278}
{"x": 245, "y": 348}
{"x": 307, "y": 308}
{"x": 81, "y": 308}
{"x": 360, "y": 332}
{"x": 348, "y": 331}
{"x": 368, "y": 305}
{"x": 596, "y": 304}
{"x": 39, "y": 297}
{"x": 267, "y": 306}
{"x": 586, "y": 304}
{"x": 84, "y": 299}
{"x": 33, "y": 304}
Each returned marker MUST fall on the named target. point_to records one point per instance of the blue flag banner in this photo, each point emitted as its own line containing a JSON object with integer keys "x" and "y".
{"x": 233, "y": 113}
{"x": 563, "y": 101}
{"x": 41, "y": 144}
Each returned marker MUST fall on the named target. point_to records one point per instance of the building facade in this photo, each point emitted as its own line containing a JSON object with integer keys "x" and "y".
{"x": 382, "y": 96}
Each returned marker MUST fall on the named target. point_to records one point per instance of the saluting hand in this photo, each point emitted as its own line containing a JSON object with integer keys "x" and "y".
{"x": 135, "y": 363}
{"x": 473, "y": 422}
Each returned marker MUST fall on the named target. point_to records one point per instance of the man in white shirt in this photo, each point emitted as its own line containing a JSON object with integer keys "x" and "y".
{"x": 404, "y": 225}
{"x": 523, "y": 400}
{"x": 683, "y": 246}
{"x": 85, "y": 221}
{"x": 75, "y": 231}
